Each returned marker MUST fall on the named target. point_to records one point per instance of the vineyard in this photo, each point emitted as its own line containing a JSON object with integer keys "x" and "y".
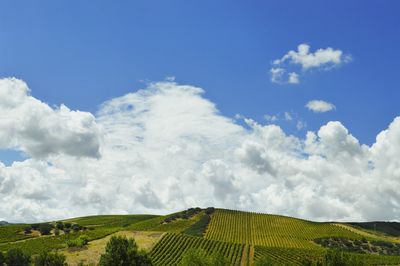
{"x": 170, "y": 249}
{"x": 271, "y": 230}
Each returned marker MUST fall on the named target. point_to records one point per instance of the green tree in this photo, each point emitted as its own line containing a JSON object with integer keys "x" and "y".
{"x": 45, "y": 229}
{"x": 15, "y": 257}
{"x": 121, "y": 251}
{"x": 49, "y": 259}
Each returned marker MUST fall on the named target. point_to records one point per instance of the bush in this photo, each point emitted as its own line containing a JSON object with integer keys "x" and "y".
{"x": 78, "y": 242}
{"x": 76, "y": 227}
{"x": 337, "y": 258}
{"x": 27, "y": 230}
{"x": 60, "y": 225}
{"x": 15, "y": 257}
{"x": 67, "y": 225}
{"x": 123, "y": 252}
{"x": 49, "y": 259}
{"x": 210, "y": 210}
{"x": 2, "y": 259}
{"x": 45, "y": 229}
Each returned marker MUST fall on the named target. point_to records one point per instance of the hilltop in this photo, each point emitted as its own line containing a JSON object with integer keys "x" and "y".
{"x": 241, "y": 237}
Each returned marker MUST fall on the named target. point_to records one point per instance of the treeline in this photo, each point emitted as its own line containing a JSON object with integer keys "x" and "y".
{"x": 57, "y": 228}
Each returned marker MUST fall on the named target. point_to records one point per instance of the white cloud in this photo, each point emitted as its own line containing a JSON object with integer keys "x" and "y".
{"x": 38, "y": 130}
{"x": 277, "y": 74}
{"x": 166, "y": 148}
{"x": 323, "y": 59}
{"x": 319, "y": 106}
{"x": 293, "y": 78}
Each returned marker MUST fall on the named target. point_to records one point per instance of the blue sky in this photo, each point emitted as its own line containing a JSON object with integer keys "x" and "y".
{"x": 166, "y": 148}
{"x": 82, "y": 53}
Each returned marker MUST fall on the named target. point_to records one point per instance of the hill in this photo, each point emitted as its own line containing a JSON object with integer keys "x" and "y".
{"x": 241, "y": 237}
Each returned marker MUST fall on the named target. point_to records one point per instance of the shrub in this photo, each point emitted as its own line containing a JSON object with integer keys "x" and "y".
{"x": 60, "y": 225}
{"x": 49, "y": 259}
{"x": 27, "y": 230}
{"x": 78, "y": 242}
{"x": 123, "y": 252}
{"x": 2, "y": 259}
{"x": 337, "y": 258}
{"x": 45, "y": 229}
{"x": 15, "y": 257}
{"x": 76, "y": 227}
{"x": 67, "y": 225}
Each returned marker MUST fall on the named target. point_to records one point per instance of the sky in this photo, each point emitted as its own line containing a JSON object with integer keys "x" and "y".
{"x": 286, "y": 107}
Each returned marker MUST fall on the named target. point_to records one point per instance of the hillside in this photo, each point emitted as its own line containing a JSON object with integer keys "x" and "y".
{"x": 241, "y": 237}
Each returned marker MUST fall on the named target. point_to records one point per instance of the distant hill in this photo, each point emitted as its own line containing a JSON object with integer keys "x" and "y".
{"x": 3, "y": 223}
{"x": 242, "y": 238}
{"x": 389, "y": 228}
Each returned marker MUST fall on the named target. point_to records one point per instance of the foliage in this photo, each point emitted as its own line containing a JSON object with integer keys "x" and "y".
{"x": 16, "y": 257}
{"x": 60, "y": 225}
{"x": 49, "y": 259}
{"x": 199, "y": 228}
{"x": 337, "y": 258}
{"x": 121, "y": 251}
{"x": 45, "y": 228}
{"x": 186, "y": 214}
{"x": 198, "y": 257}
{"x": 2, "y": 259}
{"x": 81, "y": 241}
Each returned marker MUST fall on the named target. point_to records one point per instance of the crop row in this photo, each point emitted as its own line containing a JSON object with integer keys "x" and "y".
{"x": 287, "y": 256}
{"x": 171, "y": 248}
{"x": 270, "y": 230}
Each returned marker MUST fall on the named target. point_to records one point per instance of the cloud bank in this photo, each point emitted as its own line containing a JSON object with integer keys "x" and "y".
{"x": 321, "y": 59}
{"x": 166, "y": 147}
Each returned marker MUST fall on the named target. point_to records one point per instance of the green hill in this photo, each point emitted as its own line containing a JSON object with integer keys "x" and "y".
{"x": 242, "y": 238}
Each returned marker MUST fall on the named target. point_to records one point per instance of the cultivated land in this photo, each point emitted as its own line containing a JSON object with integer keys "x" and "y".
{"x": 241, "y": 237}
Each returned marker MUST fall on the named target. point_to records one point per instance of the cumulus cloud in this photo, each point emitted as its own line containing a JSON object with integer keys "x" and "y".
{"x": 39, "y": 130}
{"x": 166, "y": 147}
{"x": 323, "y": 59}
{"x": 319, "y": 106}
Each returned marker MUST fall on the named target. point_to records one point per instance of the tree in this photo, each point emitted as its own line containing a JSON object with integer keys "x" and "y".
{"x": 27, "y": 230}
{"x": 121, "y": 251}
{"x": 45, "y": 229}
{"x": 49, "y": 259}
{"x": 15, "y": 257}
{"x": 60, "y": 225}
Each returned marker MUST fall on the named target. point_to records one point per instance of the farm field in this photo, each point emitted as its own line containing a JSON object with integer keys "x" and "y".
{"x": 242, "y": 238}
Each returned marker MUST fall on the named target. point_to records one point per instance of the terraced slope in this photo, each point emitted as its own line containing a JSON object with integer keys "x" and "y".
{"x": 271, "y": 230}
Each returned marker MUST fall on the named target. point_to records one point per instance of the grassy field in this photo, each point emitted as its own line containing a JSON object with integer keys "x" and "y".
{"x": 90, "y": 254}
{"x": 242, "y": 238}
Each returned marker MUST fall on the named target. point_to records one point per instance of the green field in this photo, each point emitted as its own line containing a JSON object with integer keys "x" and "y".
{"x": 242, "y": 238}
